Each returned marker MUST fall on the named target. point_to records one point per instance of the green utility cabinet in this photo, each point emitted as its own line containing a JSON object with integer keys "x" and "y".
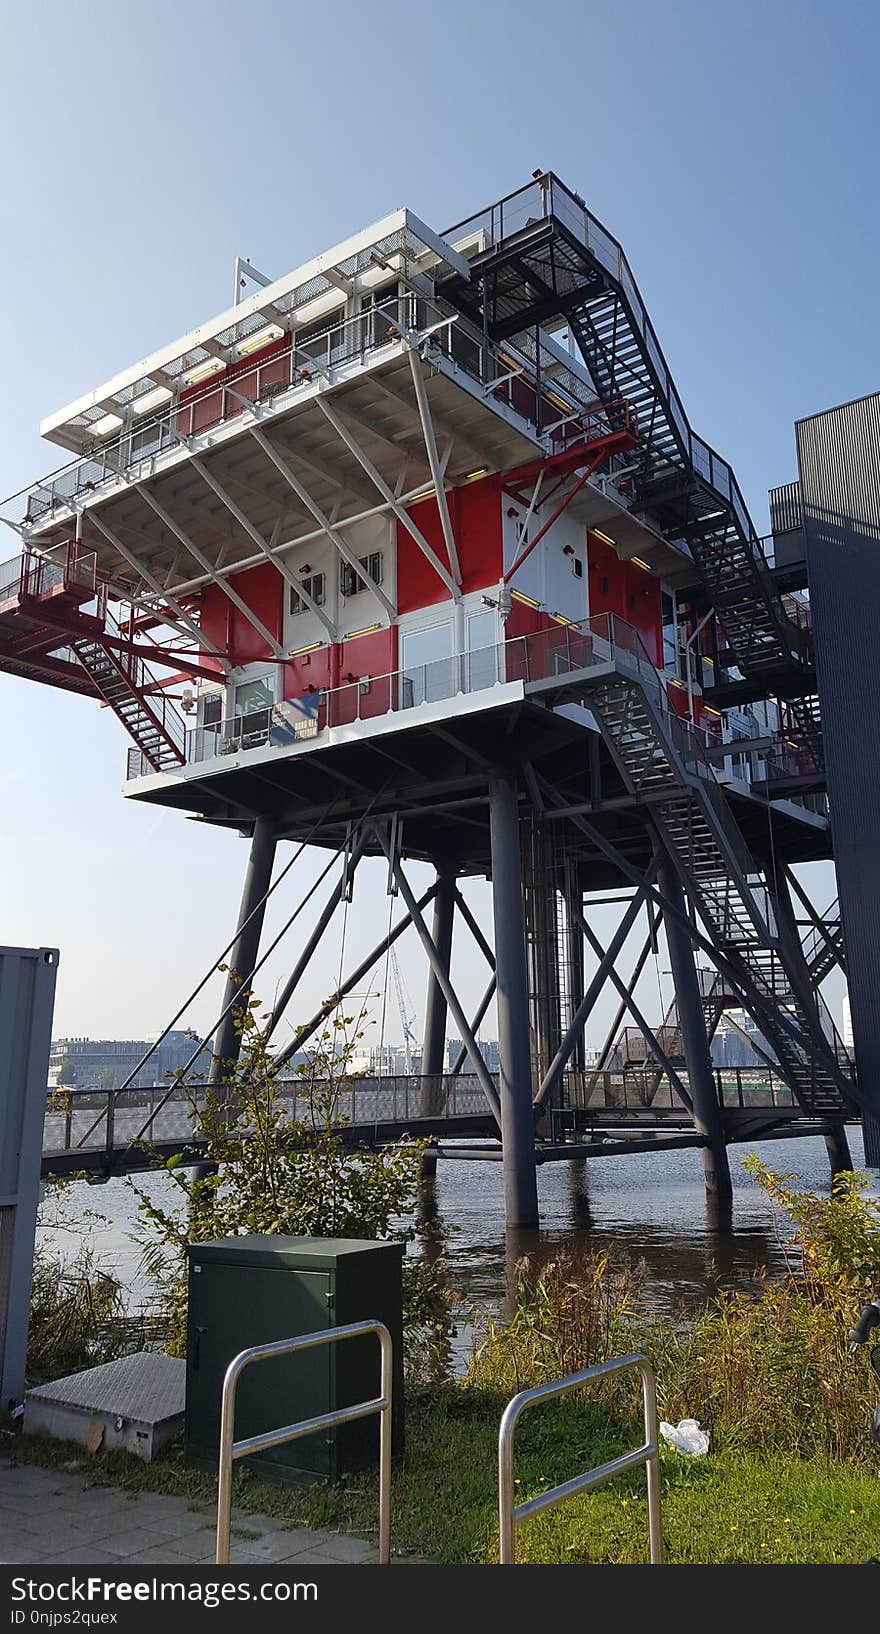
{"x": 247, "y": 1291}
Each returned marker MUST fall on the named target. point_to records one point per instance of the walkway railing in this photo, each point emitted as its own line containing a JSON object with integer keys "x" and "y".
{"x": 511, "y": 1515}
{"x": 230, "y": 1449}
{"x": 564, "y": 399}
{"x": 95, "y": 1120}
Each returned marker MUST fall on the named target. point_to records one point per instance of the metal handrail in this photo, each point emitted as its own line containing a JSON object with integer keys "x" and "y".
{"x": 381, "y": 1404}
{"x": 225, "y": 397}
{"x": 510, "y": 1514}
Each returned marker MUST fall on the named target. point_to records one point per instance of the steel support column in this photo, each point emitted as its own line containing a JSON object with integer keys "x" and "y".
{"x": 695, "y": 1041}
{"x": 434, "y": 1044}
{"x": 515, "y": 1076}
{"x": 258, "y": 878}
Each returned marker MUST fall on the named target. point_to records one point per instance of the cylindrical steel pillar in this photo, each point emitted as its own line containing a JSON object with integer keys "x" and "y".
{"x": 243, "y": 957}
{"x": 837, "y": 1147}
{"x": 695, "y": 1042}
{"x": 512, "y": 1002}
{"x": 434, "y": 1041}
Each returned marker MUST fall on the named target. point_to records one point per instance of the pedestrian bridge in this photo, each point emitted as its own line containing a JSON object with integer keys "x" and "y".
{"x": 102, "y": 1132}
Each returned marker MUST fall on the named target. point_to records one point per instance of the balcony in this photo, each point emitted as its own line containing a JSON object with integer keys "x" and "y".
{"x": 539, "y": 387}
{"x": 534, "y": 663}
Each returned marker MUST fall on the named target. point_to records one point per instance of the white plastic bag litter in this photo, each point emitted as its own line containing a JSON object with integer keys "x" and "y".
{"x": 686, "y": 1437}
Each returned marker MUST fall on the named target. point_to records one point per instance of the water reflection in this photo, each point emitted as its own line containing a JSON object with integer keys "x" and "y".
{"x": 650, "y": 1209}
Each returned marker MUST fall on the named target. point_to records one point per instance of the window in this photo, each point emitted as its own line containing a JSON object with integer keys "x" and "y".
{"x": 313, "y": 585}
{"x": 670, "y": 645}
{"x": 212, "y": 709}
{"x": 350, "y": 582}
{"x": 429, "y": 669}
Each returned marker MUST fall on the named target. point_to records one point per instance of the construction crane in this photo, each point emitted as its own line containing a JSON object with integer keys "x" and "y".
{"x": 406, "y": 1019}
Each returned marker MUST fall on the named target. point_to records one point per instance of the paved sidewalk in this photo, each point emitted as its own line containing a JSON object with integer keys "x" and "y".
{"x": 57, "y": 1518}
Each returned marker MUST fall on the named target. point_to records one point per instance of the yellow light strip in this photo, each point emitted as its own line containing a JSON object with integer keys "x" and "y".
{"x": 368, "y": 629}
{"x": 604, "y": 537}
{"x": 637, "y": 562}
{"x": 528, "y": 601}
{"x": 297, "y": 652}
{"x": 561, "y": 619}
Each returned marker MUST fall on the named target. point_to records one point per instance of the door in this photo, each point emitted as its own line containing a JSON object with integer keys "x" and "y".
{"x": 232, "y": 1307}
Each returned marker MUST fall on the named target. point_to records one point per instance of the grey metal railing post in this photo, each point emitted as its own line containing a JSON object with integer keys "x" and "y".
{"x": 510, "y": 1514}
{"x": 230, "y": 1449}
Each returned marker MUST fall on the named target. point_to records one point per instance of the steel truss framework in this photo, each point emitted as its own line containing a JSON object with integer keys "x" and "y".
{"x": 539, "y": 1104}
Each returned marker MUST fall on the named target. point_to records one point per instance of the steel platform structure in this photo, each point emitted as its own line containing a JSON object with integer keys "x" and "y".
{"x": 415, "y": 554}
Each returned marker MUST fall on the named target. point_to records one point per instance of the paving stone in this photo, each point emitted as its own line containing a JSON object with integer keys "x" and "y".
{"x": 82, "y": 1556}
{"x": 342, "y": 1551}
{"x": 135, "y": 1539}
{"x": 53, "y": 1517}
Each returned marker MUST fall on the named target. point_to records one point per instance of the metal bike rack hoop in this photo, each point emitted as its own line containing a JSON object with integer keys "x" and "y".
{"x": 231, "y": 1449}
{"x": 510, "y": 1514}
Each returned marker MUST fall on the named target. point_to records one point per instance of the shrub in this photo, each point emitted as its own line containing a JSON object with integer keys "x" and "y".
{"x": 271, "y": 1173}
{"x": 78, "y": 1318}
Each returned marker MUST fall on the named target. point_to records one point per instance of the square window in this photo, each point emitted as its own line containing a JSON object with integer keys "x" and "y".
{"x": 351, "y": 583}
{"x": 314, "y": 586}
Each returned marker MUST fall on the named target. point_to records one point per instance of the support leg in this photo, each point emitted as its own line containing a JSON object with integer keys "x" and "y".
{"x": 701, "y": 1080}
{"x": 515, "y": 1076}
{"x": 837, "y": 1147}
{"x": 434, "y": 1045}
{"x": 243, "y": 957}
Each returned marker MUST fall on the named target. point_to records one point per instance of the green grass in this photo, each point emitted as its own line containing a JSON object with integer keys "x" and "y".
{"x": 732, "y": 1507}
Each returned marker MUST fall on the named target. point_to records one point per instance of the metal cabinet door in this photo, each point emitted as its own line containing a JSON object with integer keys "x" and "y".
{"x": 233, "y": 1307}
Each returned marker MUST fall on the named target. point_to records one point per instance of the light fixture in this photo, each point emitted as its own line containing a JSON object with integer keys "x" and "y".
{"x": 597, "y": 534}
{"x": 368, "y": 629}
{"x": 561, "y": 619}
{"x": 298, "y": 652}
{"x": 482, "y": 471}
{"x": 528, "y": 601}
{"x": 637, "y": 562}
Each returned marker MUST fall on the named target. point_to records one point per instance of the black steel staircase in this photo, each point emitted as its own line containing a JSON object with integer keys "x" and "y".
{"x": 660, "y": 760}
{"x": 545, "y": 255}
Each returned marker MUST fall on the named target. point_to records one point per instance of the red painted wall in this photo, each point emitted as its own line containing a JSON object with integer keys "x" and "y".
{"x": 206, "y": 403}
{"x": 606, "y": 579}
{"x": 475, "y": 510}
{"x": 262, "y": 588}
{"x": 618, "y": 587}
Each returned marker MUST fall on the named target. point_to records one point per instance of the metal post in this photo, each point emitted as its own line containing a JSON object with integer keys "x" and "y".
{"x": 837, "y": 1147}
{"x": 695, "y": 1042}
{"x": 434, "y": 1043}
{"x": 27, "y": 998}
{"x": 227, "y": 1043}
{"x": 313, "y": 941}
{"x": 515, "y": 1077}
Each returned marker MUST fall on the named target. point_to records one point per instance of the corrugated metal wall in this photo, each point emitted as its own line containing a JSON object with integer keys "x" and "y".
{"x": 27, "y": 997}
{"x": 786, "y": 523}
{"x": 839, "y": 457}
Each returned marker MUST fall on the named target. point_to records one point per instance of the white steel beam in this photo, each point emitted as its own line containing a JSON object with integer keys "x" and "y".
{"x": 415, "y": 364}
{"x": 262, "y": 544}
{"x": 324, "y": 522}
{"x": 381, "y": 509}
{"x": 215, "y": 578}
{"x": 147, "y": 577}
{"x": 379, "y": 482}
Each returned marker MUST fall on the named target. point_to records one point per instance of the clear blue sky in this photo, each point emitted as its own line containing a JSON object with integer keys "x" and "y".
{"x": 732, "y": 149}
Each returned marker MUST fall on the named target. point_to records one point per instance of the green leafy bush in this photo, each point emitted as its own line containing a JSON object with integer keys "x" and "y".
{"x": 269, "y": 1172}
